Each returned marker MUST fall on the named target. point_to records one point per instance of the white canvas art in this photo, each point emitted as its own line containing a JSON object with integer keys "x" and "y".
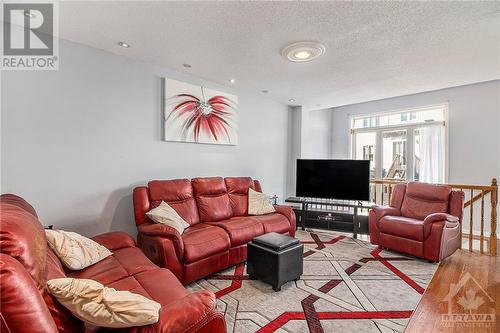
{"x": 198, "y": 114}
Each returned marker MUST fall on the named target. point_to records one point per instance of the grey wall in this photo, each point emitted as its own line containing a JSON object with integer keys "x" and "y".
{"x": 473, "y": 125}
{"x": 294, "y": 146}
{"x": 76, "y": 141}
{"x": 318, "y": 134}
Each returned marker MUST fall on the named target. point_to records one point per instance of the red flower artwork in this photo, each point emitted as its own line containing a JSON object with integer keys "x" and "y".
{"x": 198, "y": 116}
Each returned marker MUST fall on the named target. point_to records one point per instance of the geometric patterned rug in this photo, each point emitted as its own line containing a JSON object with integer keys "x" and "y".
{"x": 348, "y": 285}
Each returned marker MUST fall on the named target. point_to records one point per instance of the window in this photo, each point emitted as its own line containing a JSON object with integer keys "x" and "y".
{"x": 408, "y": 144}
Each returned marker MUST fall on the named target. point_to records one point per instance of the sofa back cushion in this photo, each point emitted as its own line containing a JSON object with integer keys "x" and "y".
{"x": 25, "y": 265}
{"x": 422, "y": 199}
{"x": 237, "y": 189}
{"x": 23, "y": 238}
{"x": 23, "y": 308}
{"x": 212, "y": 199}
{"x": 178, "y": 193}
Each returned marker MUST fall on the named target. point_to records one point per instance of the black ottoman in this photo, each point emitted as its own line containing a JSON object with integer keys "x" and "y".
{"x": 275, "y": 259}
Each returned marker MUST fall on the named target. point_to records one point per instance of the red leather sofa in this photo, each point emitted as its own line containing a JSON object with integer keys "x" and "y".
{"x": 26, "y": 263}
{"x": 220, "y": 228}
{"x": 422, "y": 220}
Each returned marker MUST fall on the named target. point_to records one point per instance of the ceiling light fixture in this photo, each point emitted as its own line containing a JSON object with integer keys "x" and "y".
{"x": 303, "y": 51}
{"x": 232, "y": 81}
{"x": 186, "y": 65}
{"x": 265, "y": 91}
{"x": 291, "y": 100}
{"x": 124, "y": 45}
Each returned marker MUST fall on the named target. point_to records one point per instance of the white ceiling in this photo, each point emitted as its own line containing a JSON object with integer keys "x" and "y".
{"x": 374, "y": 50}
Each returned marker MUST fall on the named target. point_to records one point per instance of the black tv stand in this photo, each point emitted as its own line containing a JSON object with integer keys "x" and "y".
{"x": 342, "y": 215}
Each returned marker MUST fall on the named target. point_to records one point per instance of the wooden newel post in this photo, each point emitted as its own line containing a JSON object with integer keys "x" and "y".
{"x": 493, "y": 232}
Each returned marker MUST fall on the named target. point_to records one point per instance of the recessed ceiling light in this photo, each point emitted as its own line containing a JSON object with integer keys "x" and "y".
{"x": 29, "y": 14}
{"x": 291, "y": 100}
{"x": 186, "y": 65}
{"x": 265, "y": 91}
{"x": 232, "y": 81}
{"x": 124, "y": 45}
{"x": 303, "y": 51}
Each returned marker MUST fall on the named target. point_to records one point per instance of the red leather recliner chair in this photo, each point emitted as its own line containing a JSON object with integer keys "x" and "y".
{"x": 26, "y": 263}
{"x": 220, "y": 228}
{"x": 422, "y": 220}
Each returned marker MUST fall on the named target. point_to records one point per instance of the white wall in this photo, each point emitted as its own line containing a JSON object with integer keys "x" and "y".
{"x": 473, "y": 125}
{"x": 75, "y": 142}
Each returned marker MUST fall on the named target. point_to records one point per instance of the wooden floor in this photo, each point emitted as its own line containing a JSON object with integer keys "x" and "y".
{"x": 471, "y": 284}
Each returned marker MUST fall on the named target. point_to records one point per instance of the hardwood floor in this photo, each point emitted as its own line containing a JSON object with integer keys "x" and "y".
{"x": 471, "y": 284}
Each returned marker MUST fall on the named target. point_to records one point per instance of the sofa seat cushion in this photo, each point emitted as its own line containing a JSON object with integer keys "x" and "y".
{"x": 151, "y": 284}
{"x": 202, "y": 241}
{"x": 122, "y": 264}
{"x": 404, "y": 227}
{"x": 241, "y": 229}
{"x": 274, "y": 223}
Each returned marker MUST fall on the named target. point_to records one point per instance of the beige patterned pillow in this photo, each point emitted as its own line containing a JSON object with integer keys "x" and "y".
{"x": 259, "y": 203}
{"x": 75, "y": 251}
{"x": 167, "y": 215}
{"x": 98, "y": 305}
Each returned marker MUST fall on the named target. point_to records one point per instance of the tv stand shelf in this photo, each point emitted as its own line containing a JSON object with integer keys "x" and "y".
{"x": 341, "y": 215}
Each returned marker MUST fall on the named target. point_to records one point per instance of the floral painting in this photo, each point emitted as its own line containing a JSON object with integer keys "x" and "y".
{"x": 198, "y": 114}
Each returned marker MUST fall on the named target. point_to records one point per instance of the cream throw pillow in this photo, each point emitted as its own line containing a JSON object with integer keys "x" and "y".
{"x": 98, "y": 305}
{"x": 167, "y": 215}
{"x": 75, "y": 251}
{"x": 259, "y": 203}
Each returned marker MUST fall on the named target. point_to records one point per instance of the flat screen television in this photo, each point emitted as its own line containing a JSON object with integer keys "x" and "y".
{"x": 333, "y": 179}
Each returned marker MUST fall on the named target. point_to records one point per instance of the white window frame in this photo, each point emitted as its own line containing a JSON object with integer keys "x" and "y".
{"x": 409, "y": 128}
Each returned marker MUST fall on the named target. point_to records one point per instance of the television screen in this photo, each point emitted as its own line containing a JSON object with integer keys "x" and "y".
{"x": 333, "y": 179}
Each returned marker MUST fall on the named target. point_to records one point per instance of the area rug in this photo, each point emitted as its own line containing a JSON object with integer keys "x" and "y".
{"x": 348, "y": 285}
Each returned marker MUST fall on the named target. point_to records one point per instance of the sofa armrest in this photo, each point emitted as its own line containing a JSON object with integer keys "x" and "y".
{"x": 449, "y": 219}
{"x": 288, "y": 212}
{"x": 163, "y": 230}
{"x": 190, "y": 314}
{"x": 115, "y": 240}
{"x": 381, "y": 211}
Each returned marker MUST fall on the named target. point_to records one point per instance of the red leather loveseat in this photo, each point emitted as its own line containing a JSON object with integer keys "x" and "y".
{"x": 26, "y": 263}
{"x": 422, "y": 220}
{"x": 217, "y": 210}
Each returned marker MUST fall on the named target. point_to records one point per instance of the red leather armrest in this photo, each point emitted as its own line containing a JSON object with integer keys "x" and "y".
{"x": 188, "y": 314}
{"x": 288, "y": 212}
{"x": 381, "y": 211}
{"x": 440, "y": 217}
{"x": 115, "y": 240}
{"x": 163, "y": 230}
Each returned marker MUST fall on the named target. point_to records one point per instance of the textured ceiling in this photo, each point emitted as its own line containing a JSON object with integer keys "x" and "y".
{"x": 373, "y": 49}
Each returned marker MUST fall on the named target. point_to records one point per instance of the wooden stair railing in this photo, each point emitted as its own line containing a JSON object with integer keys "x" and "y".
{"x": 475, "y": 195}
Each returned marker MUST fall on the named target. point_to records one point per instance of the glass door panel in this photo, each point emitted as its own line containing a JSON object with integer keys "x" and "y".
{"x": 417, "y": 141}
{"x": 394, "y": 154}
{"x": 365, "y": 149}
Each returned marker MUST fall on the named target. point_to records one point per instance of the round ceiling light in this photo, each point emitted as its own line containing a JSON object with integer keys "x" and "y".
{"x": 124, "y": 45}
{"x": 303, "y": 51}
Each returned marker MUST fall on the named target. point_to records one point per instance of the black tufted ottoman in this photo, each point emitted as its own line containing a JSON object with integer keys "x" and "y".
{"x": 275, "y": 259}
